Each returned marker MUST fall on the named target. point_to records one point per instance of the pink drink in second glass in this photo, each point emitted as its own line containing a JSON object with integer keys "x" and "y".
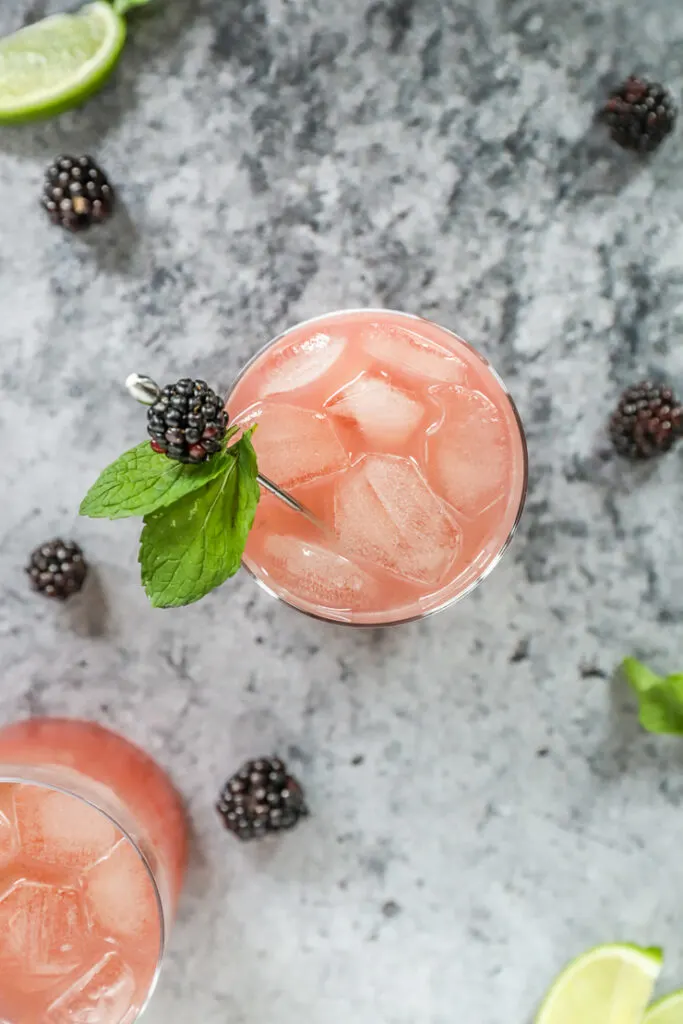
{"x": 403, "y": 440}
{"x": 92, "y": 855}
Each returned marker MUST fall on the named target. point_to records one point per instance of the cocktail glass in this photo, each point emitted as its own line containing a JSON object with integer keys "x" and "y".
{"x": 403, "y": 440}
{"x": 93, "y": 848}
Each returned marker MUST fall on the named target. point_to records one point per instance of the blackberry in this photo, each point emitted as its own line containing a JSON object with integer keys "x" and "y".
{"x": 187, "y": 422}
{"x": 76, "y": 193}
{"x": 261, "y": 799}
{"x": 640, "y": 114}
{"x": 647, "y": 421}
{"x": 57, "y": 569}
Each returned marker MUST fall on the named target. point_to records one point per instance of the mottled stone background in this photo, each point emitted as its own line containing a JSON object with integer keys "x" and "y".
{"x": 485, "y": 804}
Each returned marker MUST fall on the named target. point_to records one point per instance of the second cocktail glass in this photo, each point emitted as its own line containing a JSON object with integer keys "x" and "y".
{"x": 403, "y": 440}
{"x": 92, "y": 855}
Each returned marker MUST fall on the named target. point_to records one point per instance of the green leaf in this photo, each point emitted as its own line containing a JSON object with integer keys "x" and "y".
{"x": 142, "y": 480}
{"x": 660, "y": 699}
{"x": 191, "y": 547}
{"x": 639, "y": 676}
{"x": 123, "y": 6}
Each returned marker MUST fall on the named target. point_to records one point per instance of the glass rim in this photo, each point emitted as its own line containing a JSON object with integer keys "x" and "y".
{"x": 495, "y": 560}
{"x": 30, "y": 774}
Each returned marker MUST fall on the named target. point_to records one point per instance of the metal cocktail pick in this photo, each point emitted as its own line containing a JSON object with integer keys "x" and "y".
{"x": 146, "y": 391}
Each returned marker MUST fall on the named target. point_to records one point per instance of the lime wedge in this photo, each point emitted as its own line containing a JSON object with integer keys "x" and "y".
{"x": 668, "y": 1010}
{"x": 58, "y": 62}
{"x": 606, "y": 985}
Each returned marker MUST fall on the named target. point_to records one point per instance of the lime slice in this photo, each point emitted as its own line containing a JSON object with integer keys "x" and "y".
{"x": 606, "y": 985}
{"x": 58, "y": 62}
{"x": 668, "y": 1010}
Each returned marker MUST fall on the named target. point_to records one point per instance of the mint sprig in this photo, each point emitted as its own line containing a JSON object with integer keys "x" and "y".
{"x": 660, "y": 698}
{"x": 196, "y": 518}
{"x": 142, "y": 481}
{"x": 193, "y": 546}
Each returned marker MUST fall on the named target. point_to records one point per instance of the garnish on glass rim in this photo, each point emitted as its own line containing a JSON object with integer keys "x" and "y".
{"x": 196, "y": 491}
{"x": 195, "y": 487}
{"x": 147, "y": 392}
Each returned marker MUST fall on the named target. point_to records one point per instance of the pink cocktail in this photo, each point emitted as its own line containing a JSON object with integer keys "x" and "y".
{"x": 403, "y": 440}
{"x": 92, "y": 855}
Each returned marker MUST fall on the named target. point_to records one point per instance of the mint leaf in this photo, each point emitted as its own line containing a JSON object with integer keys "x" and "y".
{"x": 662, "y": 710}
{"x": 639, "y": 676}
{"x": 123, "y": 6}
{"x": 194, "y": 545}
{"x": 660, "y": 699}
{"x": 142, "y": 480}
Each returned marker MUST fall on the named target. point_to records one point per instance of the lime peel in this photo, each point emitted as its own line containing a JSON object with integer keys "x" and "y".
{"x": 123, "y": 6}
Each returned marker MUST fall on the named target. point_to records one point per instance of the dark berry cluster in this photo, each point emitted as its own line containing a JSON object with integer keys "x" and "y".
{"x": 647, "y": 421}
{"x": 57, "y": 569}
{"x": 640, "y": 114}
{"x": 76, "y": 193}
{"x": 262, "y": 798}
{"x": 187, "y": 422}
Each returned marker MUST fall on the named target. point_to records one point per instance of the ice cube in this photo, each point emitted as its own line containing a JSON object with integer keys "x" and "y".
{"x": 470, "y": 453}
{"x": 318, "y": 575}
{"x": 104, "y": 995}
{"x": 384, "y": 414}
{"x": 407, "y": 351}
{"x": 295, "y": 445}
{"x": 386, "y": 513}
{"x": 63, "y": 830}
{"x": 43, "y": 929}
{"x": 120, "y": 895}
{"x": 302, "y": 363}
